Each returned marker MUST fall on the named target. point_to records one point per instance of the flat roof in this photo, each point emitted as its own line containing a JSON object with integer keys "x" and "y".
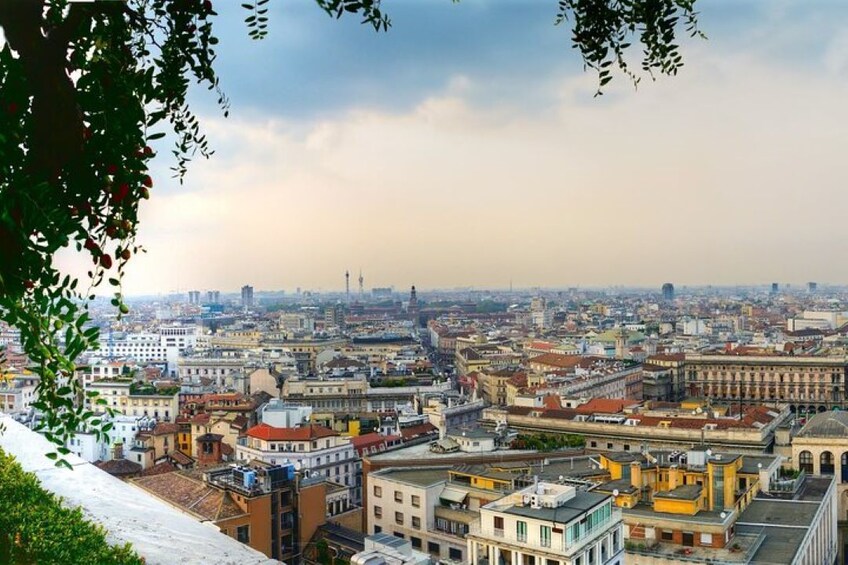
{"x": 779, "y": 513}
{"x": 684, "y": 492}
{"x": 571, "y": 509}
{"x": 422, "y": 477}
{"x": 703, "y": 517}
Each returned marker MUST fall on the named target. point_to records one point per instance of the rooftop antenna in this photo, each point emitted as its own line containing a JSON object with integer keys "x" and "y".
{"x": 361, "y": 280}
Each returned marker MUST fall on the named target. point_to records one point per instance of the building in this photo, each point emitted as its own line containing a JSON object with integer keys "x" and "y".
{"x": 668, "y": 291}
{"x": 135, "y": 399}
{"x": 671, "y": 427}
{"x": 548, "y": 524}
{"x": 389, "y": 550}
{"x": 807, "y": 384}
{"x": 821, "y": 448}
{"x": 312, "y": 449}
{"x": 164, "y": 345}
{"x": 247, "y": 297}
{"x": 194, "y": 297}
{"x": 702, "y": 506}
{"x": 405, "y": 503}
{"x": 255, "y": 505}
{"x": 213, "y": 297}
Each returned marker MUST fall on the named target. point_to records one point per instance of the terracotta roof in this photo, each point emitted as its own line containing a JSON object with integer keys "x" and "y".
{"x": 556, "y": 360}
{"x": 303, "y": 433}
{"x": 163, "y": 428}
{"x": 668, "y": 357}
{"x": 119, "y": 467}
{"x": 180, "y": 458}
{"x": 418, "y": 430}
{"x": 191, "y": 495}
{"x": 605, "y": 406}
{"x": 159, "y": 468}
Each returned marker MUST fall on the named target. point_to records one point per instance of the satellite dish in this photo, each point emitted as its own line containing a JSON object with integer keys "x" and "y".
{"x": 297, "y": 465}
{"x": 759, "y": 465}
{"x": 615, "y": 492}
{"x": 723, "y": 515}
{"x": 709, "y": 453}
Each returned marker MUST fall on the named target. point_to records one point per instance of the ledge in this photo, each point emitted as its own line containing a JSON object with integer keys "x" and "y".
{"x": 158, "y": 532}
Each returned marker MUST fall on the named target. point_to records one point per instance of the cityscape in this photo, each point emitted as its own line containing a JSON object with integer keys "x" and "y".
{"x": 482, "y": 282}
{"x": 571, "y": 426}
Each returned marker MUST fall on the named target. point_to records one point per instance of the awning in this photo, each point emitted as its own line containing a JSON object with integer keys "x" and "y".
{"x": 453, "y": 495}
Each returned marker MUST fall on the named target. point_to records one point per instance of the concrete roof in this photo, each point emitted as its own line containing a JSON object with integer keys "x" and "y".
{"x": 418, "y": 477}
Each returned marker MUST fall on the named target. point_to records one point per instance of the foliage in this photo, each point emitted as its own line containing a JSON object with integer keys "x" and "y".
{"x": 547, "y": 442}
{"x": 87, "y": 88}
{"x": 36, "y": 528}
{"x": 603, "y": 31}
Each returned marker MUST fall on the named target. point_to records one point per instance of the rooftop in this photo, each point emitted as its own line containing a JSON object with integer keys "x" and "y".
{"x": 416, "y": 477}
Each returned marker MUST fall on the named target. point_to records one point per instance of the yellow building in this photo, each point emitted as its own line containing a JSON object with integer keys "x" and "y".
{"x": 690, "y": 498}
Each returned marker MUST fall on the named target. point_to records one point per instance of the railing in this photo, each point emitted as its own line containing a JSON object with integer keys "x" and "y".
{"x": 700, "y": 554}
{"x": 787, "y": 485}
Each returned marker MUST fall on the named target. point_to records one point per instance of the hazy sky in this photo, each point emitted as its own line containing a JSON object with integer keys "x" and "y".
{"x": 464, "y": 148}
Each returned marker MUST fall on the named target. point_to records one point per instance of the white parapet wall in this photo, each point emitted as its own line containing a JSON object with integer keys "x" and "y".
{"x": 158, "y": 532}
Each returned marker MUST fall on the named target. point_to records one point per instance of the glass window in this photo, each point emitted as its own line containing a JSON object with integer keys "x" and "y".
{"x": 378, "y": 491}
{"x": 521, "y": 530}
{"x": 545, "y": 535}
{"x": 416, "y": 501}
{"x": 243, "y": 534}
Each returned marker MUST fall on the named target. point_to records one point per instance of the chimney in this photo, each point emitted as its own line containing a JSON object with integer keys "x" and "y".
{"x": 636, "y": 474}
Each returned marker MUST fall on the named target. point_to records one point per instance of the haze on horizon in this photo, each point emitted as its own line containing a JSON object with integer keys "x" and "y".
{"x": 464, "y": 148}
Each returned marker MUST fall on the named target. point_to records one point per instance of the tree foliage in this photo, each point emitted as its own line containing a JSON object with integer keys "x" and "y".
{"x": 36, "y": 528}
{"x": 86, "y": 89}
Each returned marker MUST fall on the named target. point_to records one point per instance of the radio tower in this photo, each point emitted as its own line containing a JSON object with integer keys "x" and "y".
{"x": 347, "y": 285}
{"x": 361, "y": 289}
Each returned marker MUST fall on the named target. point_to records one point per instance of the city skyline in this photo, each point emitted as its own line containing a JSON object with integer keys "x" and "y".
{"x": 492, "y": 161}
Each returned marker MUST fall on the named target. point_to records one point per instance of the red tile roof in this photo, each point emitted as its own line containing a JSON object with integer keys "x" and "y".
{"x": 303, "y": 433}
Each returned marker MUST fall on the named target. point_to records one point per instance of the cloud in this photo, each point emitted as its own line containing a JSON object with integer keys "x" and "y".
{"x": 728, "y": 173}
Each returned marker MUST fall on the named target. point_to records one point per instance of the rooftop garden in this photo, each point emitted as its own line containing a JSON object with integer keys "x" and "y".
{"x": 36, "y": 528}
{"x": 548, "y": 442}
{"x": 147, "y": 389}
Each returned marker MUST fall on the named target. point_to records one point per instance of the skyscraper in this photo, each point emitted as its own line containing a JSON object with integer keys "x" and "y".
{"x": 668, "y": 291}
{"x": 247, "y": 296}
{"x": 775, "y": 288}
{"x": 812, "y": 287}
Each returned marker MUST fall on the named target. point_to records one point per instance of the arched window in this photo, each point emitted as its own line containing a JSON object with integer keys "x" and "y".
{"x": 805, "y": 462}
{"x": 845, "y": 467}
{"x": 826, "y": 463}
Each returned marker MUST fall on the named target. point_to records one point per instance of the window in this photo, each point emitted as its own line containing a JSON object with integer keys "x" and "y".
{"x": 378, "y": 511}
{"x": 706, "y": 539}
{"x": 433, "y": 548}
{"x": 591, "y": 557}
{"x": 399, "y": 518}
{"x": 609, "y": 446}
{"x": 243, "y": 534}
{"x": 521, "y": 530}
{"x": 398, "y": 496}
{"x": 498, "y": 525}
{"x": 551, "y": 562}
{"x": 398, "y": 535}
{"x": 545, "y": 536}
{"x": 378, "y": 491}
{"x": 593, "y": 444}
{"x": 416, "y": 542}
{"x": 377, "y": 529}
{"x": 455, "y": 554}
{"x": 667, "y": 535}
{"x": 416, "y": 501}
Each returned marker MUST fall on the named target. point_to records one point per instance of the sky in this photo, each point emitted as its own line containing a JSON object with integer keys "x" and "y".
{"x": 464, "y": 147}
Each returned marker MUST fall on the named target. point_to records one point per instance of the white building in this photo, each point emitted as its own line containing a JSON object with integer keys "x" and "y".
{"x": 278, "y": 414}
{"x": 419, "y": 505}
{"x": 17, "y": 393}
{"x": 549, "y": 524}
{"x": 313, "y": 449}
{"x": 383, "y": 549}
{"x": 163, "y": 345}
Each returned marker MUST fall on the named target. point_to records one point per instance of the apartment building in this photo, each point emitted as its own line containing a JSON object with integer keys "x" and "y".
{"x": 548, "y": 524}
{"x": 136, "y": 399}
{"x": 312, "y": 449}
{"x": 162, "y": 345}
{"x": 418, "y": 505}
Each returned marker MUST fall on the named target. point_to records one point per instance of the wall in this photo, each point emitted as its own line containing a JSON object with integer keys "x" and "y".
{"x": 128, "y": 513}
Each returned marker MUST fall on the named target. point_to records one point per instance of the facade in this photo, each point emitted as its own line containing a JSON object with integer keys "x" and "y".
{"x": 247, "y": 297}
{"x": 807, "y": 384}
{"x": 821, "y": 448}
{"x": 548, "y": 524}
{"x": 254, "y": 505}
{"x": 410, "y": 504}
{"x": 164, "y": 345}
{"x": 313, "y": 449}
